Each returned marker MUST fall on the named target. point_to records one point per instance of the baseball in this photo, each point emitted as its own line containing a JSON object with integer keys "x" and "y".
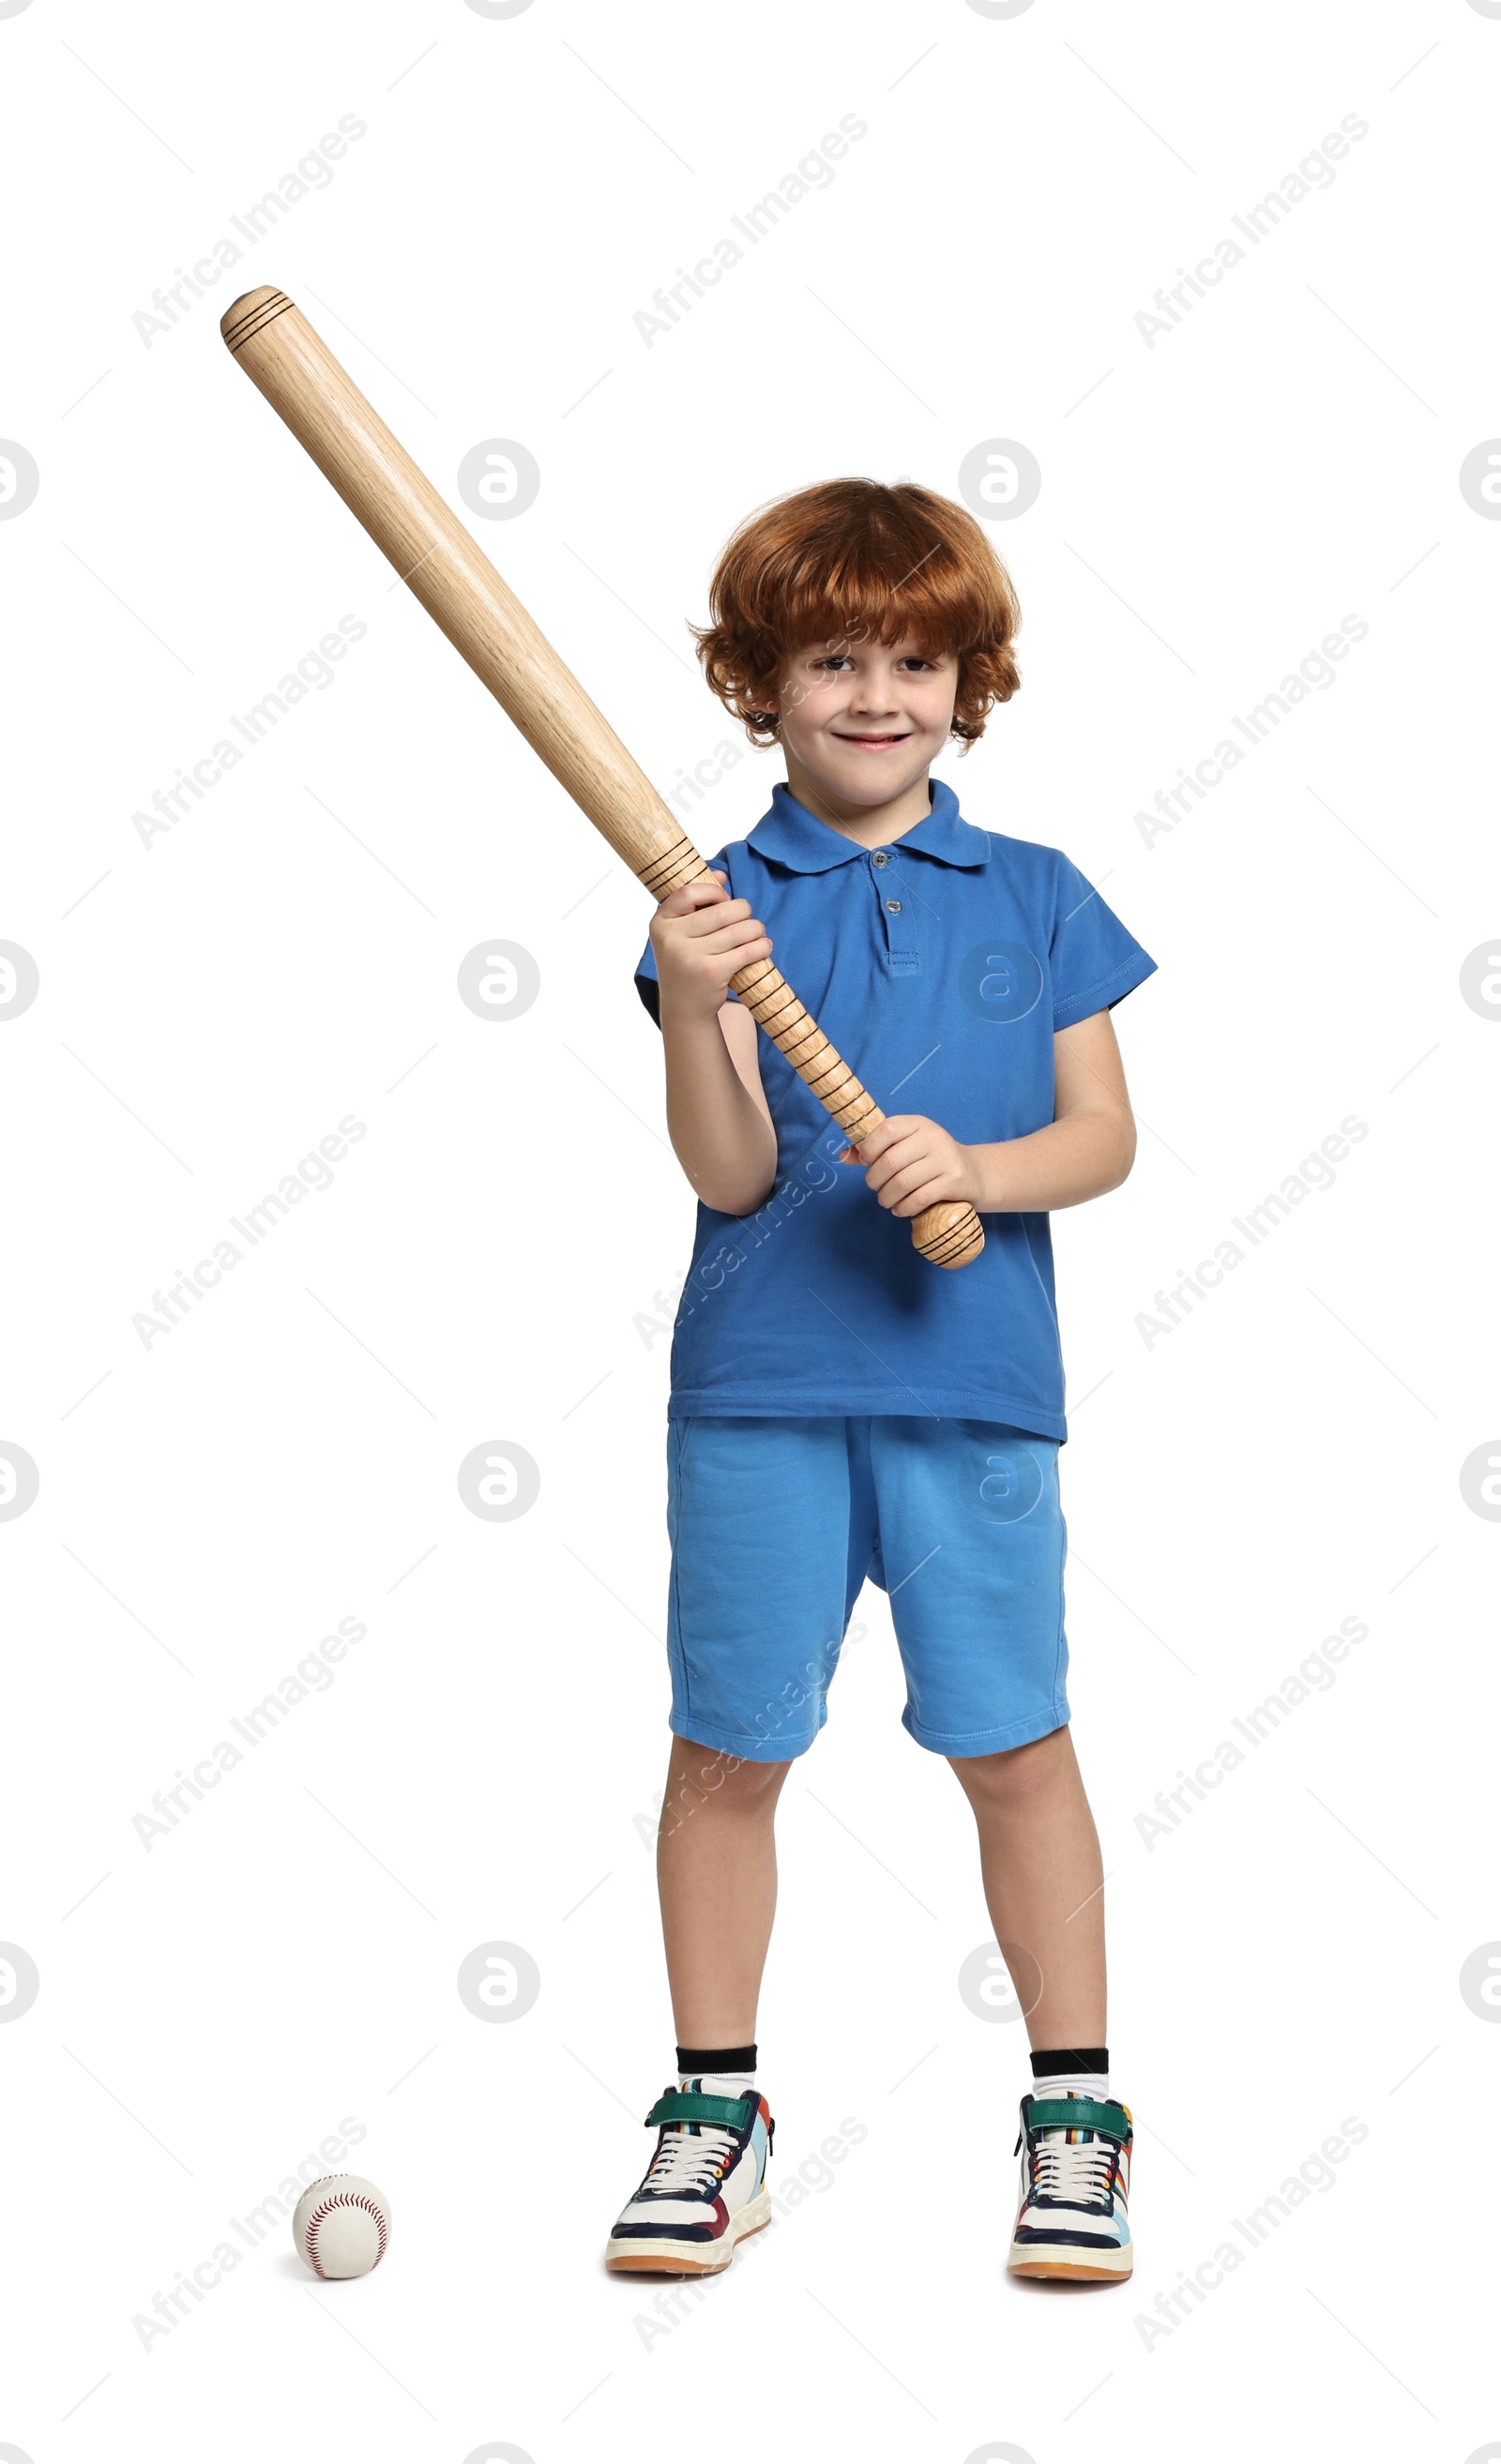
{"x": 342, "y": 2226}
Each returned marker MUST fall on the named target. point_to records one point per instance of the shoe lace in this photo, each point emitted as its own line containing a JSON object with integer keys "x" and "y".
{"x": 689, "y": 2160}
{"x": 1079, "y": 2171}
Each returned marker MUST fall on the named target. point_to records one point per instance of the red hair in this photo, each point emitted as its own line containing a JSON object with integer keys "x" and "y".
{"x": 853, "y": 560}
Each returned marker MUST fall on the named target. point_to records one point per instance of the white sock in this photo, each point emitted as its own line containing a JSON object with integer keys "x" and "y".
{"x": 1090, "y": 2083}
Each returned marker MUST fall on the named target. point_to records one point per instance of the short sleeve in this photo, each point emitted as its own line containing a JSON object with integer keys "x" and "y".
{"x": 1095, "y": 960}
{"x": 647, "y": 983}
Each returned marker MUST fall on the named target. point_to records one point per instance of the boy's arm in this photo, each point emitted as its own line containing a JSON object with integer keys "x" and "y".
{"x": 717, "y": 1113}
{"x": 1088, "y": 1147}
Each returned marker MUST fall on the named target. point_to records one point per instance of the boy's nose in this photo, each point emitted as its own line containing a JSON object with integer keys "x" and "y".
{"x": 875, "y": 695}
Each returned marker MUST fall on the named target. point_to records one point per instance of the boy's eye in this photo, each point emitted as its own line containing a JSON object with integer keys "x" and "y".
{"x": 839, "y": 659}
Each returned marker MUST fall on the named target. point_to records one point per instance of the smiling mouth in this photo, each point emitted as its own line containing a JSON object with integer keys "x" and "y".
{"x": 871, "y": 739}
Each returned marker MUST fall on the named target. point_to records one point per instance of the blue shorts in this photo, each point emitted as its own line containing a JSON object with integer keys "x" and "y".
{"x": 775, "y": 1524}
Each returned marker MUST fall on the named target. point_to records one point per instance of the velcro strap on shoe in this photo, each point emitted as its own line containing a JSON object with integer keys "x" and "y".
{"x": 687, "y": 2105}
{"x": 1079, "y": 2113}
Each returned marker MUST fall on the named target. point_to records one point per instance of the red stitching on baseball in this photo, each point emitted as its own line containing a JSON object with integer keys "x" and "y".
{"x": 343, "y": 2199}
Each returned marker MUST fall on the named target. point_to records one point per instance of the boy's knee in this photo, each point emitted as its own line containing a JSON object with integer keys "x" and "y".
{"x": 703, "y": 1775}
{"x": 750, "y": 1784}
{"x": 1021, "y": 1772}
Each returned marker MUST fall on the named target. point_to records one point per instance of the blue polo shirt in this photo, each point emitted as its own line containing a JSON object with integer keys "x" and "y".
{"x": 941, "y": 967}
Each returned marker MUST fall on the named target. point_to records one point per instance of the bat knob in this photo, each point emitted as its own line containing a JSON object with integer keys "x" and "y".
{"x": 950, "y": 1235}
{"x": 251, "y": 314}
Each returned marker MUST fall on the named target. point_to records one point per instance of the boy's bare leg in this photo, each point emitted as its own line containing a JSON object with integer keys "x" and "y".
{"x": 1040, "y": 1863}
{"x": 717, "y": 1880}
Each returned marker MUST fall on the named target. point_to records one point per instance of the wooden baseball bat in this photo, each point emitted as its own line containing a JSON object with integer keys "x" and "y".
{"x": 462, "y": 592}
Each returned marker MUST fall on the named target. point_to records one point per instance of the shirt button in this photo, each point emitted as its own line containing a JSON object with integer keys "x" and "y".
{"x": 880, "y": 856}
{"x": 894, "y": 907}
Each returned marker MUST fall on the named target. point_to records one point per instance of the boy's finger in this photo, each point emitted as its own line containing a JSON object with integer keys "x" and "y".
{"x": 713, "y": 914}
{"x": 732, "y": 937}
{"x": 906, "y": 1146}
{"x": 928, "y": 1193}
{"x": 692, "y": 894}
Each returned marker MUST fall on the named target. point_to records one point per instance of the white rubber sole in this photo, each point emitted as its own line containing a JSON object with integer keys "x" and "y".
{"x": 1068, "y": 2263}
{"x": 634, "y": 2258}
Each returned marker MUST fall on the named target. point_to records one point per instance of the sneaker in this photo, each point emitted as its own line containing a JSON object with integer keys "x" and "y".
{"x": 704, "y": 2189}
{"x": 1076, "y": 2179}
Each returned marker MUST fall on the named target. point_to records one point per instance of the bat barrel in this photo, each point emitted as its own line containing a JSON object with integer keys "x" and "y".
{"x": 436, "y": 556}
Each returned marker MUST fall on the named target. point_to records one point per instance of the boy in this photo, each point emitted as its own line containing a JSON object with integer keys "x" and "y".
{"x": 839, "y": 1407}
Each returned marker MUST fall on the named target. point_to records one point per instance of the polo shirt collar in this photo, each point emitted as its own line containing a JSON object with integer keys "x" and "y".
{"x": 790, "y": 835}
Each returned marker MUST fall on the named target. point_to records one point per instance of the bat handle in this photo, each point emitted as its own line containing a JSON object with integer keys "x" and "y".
{"x": 947, "y": 1235}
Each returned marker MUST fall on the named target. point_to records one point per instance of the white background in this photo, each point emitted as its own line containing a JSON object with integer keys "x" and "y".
{"x": 485, "y": 1764}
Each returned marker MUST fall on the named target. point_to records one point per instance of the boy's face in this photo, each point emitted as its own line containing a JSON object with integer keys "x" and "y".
{"x": 862, "y": 721}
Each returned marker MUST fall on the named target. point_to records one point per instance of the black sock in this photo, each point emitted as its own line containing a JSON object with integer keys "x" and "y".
{"x": 1083, "y": 2068}
{"x": 735, "y": 2062}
